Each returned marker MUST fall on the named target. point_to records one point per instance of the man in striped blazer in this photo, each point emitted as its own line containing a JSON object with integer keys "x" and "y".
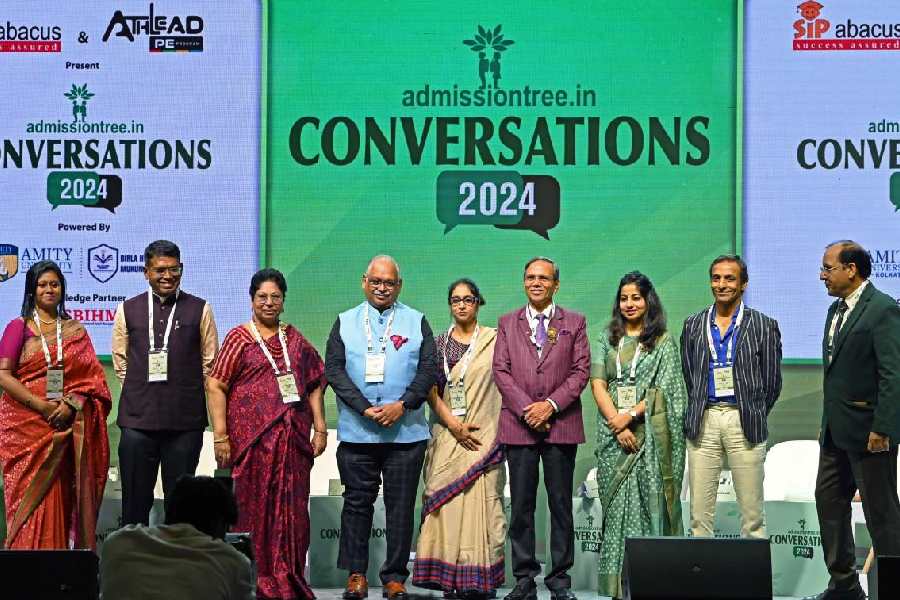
{"x": 731, "y": 359}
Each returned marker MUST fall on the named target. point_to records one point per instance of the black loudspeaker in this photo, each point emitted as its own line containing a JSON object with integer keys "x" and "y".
{"x": 884, "y": 578}
{"x": 671, "y": 568}
{"x": 48, "y": 574}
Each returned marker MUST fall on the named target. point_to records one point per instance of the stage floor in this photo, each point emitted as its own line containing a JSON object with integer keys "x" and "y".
{"x": 419, "y": 593}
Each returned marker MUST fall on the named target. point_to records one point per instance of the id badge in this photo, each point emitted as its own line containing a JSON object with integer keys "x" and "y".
{"x": 158, "y": 366}
{"x": 287, "y": 385}
{"x": 458, "y": 400}
{"x": 374, "y": 368}
{"x": 627, "y": 396}
{"x": 723, "y": 380}
{"x": 55, "y": 383}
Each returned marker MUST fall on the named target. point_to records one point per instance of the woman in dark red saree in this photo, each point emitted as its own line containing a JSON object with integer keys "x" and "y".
{"x": 53, "y": 444}
{"x": 265, "y": 395}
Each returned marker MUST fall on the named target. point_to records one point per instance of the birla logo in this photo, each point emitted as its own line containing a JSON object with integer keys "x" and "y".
{"x": 810, "y": 26}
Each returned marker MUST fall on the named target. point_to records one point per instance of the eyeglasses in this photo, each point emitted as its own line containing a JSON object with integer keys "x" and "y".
{"x": 160, "y": 271}
{"x": 266, "y": 298}
{"x": 467, "y": 300}
{"x": 829, "y": 269}
{"x": 387, "y": 283}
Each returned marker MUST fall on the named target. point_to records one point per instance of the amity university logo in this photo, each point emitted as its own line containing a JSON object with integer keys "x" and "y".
{"x": 165, "y": 34}
{"x": 814, "y": 32}
{"x": 28, "y": 37}
{"x": 9, "y": 262}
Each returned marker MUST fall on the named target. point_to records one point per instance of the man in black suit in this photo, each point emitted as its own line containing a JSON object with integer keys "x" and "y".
{"x": 731, "y": 359}
{"x": 860, "y": 418}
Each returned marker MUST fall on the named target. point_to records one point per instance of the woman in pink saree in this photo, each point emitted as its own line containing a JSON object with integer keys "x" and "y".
{"x": 265, "y": 395}
{"x": 53, "y": 444}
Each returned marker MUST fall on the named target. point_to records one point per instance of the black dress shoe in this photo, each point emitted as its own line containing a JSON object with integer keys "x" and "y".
{"x": 564, "y": 594}
{"x": 855, "y": 594}
{"x": 524, "y": 590}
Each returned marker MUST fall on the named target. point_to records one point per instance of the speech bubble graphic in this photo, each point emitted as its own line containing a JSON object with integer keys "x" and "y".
{"x": 478, "y": 198}
{"x": 84, "y": 188}
{"x": 895, "y": 191}
{"x": 545, "y": 215}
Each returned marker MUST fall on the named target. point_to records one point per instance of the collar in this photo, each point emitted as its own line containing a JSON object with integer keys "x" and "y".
{"x": 737, "y": 310}
{"x": 532, "y": 313}
{"x": 381, "y": 313}
{"x": 853, "y": 298}
{"x": 170, "y": 299}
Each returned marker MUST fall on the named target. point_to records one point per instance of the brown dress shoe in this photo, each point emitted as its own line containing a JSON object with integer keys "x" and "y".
{"x": 357, "y": 587}
{"x": 394, "y": 590}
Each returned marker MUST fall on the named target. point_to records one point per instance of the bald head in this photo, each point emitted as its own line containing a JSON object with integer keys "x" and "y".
{"x": 381, "y": 283}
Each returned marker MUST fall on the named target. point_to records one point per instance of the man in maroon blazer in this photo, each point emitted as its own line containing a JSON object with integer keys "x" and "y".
{"x": 542, "y": 361}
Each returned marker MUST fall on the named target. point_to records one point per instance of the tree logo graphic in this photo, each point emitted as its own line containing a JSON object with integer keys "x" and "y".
{"x": 76, "y": 94}
{"x": 483, "y": 42}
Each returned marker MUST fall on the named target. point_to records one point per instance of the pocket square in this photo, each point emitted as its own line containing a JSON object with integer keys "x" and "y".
{"x": 398, "y": 340}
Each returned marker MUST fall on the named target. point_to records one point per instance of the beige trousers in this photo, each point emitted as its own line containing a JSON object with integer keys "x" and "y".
{"x": 720, "y": 436}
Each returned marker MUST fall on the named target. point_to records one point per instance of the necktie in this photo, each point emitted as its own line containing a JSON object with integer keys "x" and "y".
{"x": 841, "y": 309}
{"x": 540, "y": 332}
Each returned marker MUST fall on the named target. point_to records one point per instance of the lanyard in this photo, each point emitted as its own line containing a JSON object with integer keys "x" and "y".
{"x": 59, "y": 354}
{"x": 465, "y": 357}
{"x": 634, "y": 361}
{"x": 165, "y": 345}
{"x": 262, "y": 345}
{"x": 729, "y": 349}
{"x": 387, "y": 330}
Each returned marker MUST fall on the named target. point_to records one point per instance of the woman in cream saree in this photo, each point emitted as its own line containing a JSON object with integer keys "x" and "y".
{"x": 460, "y": 547}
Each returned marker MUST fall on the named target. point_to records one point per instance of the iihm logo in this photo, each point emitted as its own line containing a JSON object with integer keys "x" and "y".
{"x": 166, "y": 34}
{"x": 79, "y": 94}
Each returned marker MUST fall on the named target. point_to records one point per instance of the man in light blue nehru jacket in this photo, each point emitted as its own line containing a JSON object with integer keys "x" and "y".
{"x": 380, "y": 361}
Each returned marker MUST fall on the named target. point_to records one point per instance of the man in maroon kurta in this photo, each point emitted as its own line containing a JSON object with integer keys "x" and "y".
{"x": 542, "y": 361}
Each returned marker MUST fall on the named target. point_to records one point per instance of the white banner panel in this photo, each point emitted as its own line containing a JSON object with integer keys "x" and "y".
{"x": 821, "y": 149}
{"x": 126, "y": 122}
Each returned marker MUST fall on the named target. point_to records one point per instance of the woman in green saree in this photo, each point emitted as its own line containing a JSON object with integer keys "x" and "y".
{"x": 637, "y": 384}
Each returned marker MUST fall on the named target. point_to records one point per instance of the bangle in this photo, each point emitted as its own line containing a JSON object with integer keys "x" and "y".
{"x": 325, "y": 431}
{"x": 317, "y": 432}
{"x": 224, "y": 438}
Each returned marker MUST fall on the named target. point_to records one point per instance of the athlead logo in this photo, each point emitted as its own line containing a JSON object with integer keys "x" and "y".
{"x": 166, "y": 34}
{"x": 15, "y": 37}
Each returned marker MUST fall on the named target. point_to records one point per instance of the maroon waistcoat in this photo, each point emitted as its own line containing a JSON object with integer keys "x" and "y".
{"x": 179, "y": 403}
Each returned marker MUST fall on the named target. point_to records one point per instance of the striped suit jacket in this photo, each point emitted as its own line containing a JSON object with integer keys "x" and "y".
{"x": 560, "y": 373}
{"x": 757, "y": 372}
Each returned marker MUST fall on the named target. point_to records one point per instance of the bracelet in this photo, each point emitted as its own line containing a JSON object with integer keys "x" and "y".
{"x": 224, "y": 438}
{"x": 317, "y": 432}
{"x": 28, "y": 402}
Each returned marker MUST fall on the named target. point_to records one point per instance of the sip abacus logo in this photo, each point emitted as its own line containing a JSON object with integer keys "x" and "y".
{"x": 27, "y": 37}
{"x": 845, "y": 35}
